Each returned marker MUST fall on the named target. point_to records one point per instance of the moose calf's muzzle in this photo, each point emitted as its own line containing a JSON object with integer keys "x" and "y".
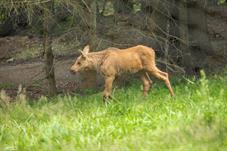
{"x": 72, "y": 71}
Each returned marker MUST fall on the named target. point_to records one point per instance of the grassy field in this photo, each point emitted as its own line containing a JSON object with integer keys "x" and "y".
{"x": 195, "y": 120}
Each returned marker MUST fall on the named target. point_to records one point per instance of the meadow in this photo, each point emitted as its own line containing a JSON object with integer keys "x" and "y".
{"x": 196, "y": 119}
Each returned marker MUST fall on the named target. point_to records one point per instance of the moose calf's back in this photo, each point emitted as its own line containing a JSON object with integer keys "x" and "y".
{"x": 128, "y": 60}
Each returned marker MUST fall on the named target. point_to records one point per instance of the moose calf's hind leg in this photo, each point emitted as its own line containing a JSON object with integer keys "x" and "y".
{"x": 146, "y": 84}
{"x": 108, "y": 88}
{"x": 163, "y": 76}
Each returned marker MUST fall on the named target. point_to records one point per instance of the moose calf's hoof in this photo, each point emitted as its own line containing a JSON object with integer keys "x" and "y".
{"x": 106, "y": 98}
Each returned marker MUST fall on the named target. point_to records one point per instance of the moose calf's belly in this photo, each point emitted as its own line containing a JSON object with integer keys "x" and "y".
{"x": 128, "y": 71}
{"x": 130, "y": 68}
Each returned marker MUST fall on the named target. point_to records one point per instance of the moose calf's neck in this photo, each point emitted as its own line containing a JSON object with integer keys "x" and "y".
{"x": 96, "y": 59}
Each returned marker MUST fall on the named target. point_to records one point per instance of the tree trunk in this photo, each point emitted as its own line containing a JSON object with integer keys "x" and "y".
{"x": 49, "y": 57}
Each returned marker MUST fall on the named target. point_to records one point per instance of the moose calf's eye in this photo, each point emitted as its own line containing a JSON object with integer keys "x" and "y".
{"x": 79, "y": 63}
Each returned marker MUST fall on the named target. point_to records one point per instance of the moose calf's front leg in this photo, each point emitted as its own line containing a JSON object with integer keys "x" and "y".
{"x": 108, "y": 87}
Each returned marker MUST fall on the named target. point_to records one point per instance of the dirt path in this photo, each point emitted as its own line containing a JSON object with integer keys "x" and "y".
{"x": 31, "y": 74}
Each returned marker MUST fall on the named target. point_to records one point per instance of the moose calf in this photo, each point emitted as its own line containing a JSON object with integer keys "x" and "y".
{"x": 113, "y": 61}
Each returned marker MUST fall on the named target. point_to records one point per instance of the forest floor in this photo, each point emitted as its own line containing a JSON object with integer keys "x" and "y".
{"x": 196, "y": 119}
{"x": 31, "y": 74}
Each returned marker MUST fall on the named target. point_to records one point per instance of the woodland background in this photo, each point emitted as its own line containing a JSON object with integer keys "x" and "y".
{"x": 40, "y": 39}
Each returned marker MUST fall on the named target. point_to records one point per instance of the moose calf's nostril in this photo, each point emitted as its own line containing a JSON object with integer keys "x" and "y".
{"x": 72, "y": 71}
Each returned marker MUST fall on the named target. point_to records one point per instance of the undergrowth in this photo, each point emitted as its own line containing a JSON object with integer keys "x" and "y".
{"x": 196, "y": 119}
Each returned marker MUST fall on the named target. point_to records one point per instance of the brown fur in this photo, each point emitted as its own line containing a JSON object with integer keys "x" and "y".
{"x": 113, "y": 61}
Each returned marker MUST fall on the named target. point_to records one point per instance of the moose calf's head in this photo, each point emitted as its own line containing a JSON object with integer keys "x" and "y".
{"x": 83, "y": 62}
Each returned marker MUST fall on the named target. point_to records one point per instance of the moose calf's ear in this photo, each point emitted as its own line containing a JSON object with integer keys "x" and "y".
{"x": 86, "y": 50}
{"x": 84, "y": 56}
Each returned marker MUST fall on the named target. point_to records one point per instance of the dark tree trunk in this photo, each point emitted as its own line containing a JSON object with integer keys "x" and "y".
{"x": 49, "y": 57}
{"x": 49, "y": 66}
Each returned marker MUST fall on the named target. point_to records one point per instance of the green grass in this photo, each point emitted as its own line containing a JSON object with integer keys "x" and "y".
{"x": 195, "y": 120}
